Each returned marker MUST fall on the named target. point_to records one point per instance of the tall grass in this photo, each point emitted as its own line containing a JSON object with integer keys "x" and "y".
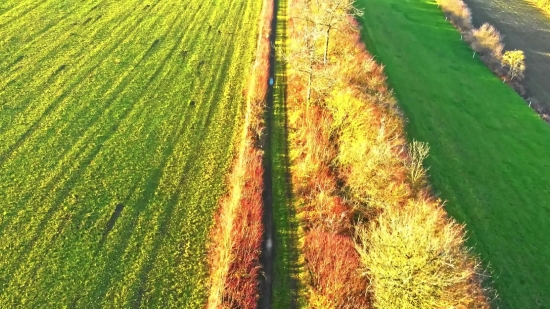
{"x": 358, "y": 182}
{"x": 237, "y": 233}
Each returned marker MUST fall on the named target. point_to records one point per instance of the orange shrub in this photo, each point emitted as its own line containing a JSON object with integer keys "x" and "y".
{"x": 237, "y": 237}
{"x": 334, "y": 263}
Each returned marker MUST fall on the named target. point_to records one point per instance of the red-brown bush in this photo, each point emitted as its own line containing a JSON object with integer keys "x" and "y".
{"x": 236, "y": 237}
{"x": 333, "y": 263}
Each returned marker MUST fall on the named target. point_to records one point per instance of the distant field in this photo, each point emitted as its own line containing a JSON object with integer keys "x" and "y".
{"x": 117, "y": 125}
{"x": 524, "y": 27}
{"x": 489, "y": 151}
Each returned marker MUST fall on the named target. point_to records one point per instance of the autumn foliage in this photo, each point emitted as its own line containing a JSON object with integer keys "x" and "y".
{"x": 237, "y": 233}
{"x": 371, "y": 224}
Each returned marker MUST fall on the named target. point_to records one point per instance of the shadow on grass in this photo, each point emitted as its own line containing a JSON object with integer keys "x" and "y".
{"x": 286, "y": 287}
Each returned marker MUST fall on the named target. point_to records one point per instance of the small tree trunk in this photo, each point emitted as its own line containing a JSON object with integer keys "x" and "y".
{"x": 326, "y": 46}
{"x": 309, "y": 82}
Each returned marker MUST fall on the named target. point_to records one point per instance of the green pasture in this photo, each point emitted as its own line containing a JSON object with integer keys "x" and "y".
{"x": 118, "y": 122}
{"x": 489, "y": 150}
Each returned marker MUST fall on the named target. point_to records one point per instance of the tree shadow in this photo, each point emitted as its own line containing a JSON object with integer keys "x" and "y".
{"x": 287, "y": 266}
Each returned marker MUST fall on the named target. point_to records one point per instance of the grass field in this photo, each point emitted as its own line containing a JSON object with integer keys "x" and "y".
{"x": 488, "y": 149}
{"x": 117, "y": 125}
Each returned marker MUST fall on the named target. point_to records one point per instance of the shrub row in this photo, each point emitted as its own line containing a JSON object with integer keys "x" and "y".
{"x": 486, "y": 41}
{"x": 371, "y": 224}
{"x": 332, "y": 263}
{"x": 236, "y": 236}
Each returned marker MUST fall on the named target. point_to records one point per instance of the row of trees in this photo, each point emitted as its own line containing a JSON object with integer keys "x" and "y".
{"x": 319, "y": 20}
{"x": 374, "y": 236}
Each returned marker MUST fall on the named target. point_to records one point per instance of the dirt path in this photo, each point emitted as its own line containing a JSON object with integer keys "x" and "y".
{"x": 268, "y": 252}
{"x": 525, "y": 28}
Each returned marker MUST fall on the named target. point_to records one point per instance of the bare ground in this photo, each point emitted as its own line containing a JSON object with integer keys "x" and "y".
{"x": 525, "y": 28}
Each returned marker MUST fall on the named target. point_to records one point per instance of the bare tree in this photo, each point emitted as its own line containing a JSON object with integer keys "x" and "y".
{"x": 330, "y": 15}
{"x": 305, "y": 58}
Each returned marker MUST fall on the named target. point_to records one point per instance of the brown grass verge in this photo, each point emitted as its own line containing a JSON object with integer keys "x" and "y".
{"x": 236, "y": 236}
{"x": 357, "y": 182}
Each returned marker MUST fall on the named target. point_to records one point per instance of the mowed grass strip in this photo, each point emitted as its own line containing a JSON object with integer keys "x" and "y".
{"x": 489, "y": 151}
{"x": 117, "y": 126}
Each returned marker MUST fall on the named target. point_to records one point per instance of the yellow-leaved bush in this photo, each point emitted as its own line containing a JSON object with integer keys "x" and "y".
{"x": 416, "y": 259}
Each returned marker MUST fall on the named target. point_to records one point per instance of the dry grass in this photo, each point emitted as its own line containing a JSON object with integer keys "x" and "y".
{"x": 237, "y": 233}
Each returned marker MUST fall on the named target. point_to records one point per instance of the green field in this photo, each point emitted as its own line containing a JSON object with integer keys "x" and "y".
{"x": 117, "y": 125}
{"x": 489, "y": 151}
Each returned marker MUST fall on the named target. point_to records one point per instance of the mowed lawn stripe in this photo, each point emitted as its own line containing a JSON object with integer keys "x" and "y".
{"x": 74, "y": 110}
{"x": 32, "y": 87}
{"x": 488, "y": 148}
{"x": 145, "y": 129}
{"x": 45, "y": 139}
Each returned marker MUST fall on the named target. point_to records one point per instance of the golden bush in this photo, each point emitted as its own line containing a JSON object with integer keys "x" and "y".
{"x": 416, "y": 259}
{"x": 514, "y": 60}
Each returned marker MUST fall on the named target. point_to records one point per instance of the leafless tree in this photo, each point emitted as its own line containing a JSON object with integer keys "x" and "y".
{"x": 330, "y": 15}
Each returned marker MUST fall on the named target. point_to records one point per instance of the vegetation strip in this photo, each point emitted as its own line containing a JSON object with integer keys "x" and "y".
{"x": 115, "y": 133}
{"x": 360, "y": 189}
{"x": 488, "y": 149}
{"x": 236, "y": 237}
{"x": 268, "y": 242}
{"x": 288, "y": 261}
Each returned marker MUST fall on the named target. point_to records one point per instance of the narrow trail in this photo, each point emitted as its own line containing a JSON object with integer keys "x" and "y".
{"x": 268, "y": 252}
